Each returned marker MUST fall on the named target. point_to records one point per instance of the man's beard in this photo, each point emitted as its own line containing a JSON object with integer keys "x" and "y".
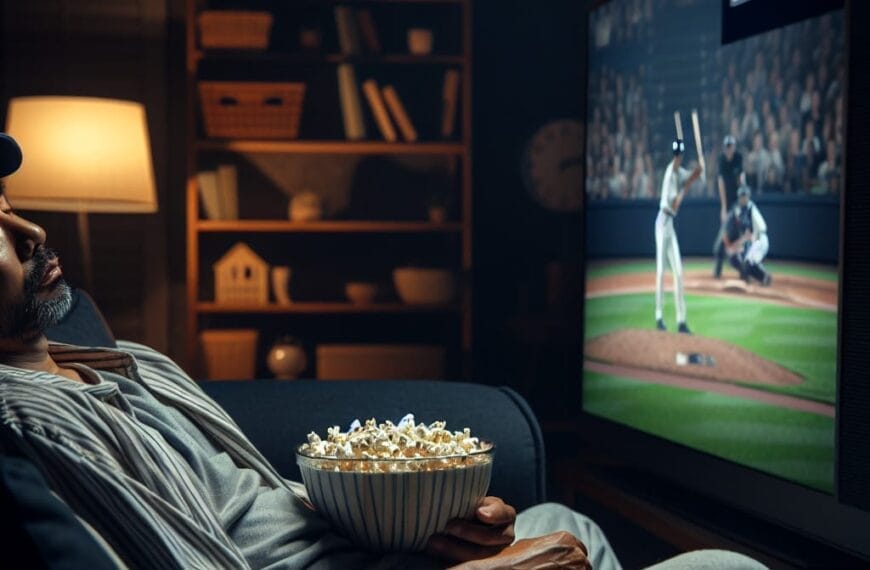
{"x": 32, "y": 316}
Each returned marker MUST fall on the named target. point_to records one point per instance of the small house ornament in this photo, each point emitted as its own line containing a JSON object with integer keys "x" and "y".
{"x": 241, "y": 277}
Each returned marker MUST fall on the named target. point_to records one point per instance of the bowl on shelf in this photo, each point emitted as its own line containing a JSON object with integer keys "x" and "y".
{"x": 396, "y": 504}
{"x": 361, "y": 292}
{"x": 424, "y": 285}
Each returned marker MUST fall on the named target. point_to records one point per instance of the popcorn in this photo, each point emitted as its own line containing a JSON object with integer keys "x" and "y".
{"x": 406, "y": 441}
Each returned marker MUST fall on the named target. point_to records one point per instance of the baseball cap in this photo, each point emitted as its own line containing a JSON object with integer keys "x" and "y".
{"x": 10, "y": 155}
{"x": 744, "y": 191}
{"x": 729, "y": 141}
{"x": 678, "y": 146}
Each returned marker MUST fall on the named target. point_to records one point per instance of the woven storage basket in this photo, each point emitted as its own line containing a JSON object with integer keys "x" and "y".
{"x": 230, "y": 354}
{"x": 229, "y": 29}
{"x": 234, "y": 109}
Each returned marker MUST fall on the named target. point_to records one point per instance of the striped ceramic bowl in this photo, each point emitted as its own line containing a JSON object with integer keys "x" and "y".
{"x": 390, "y": 505}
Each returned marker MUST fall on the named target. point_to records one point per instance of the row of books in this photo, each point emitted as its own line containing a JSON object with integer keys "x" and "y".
{"x": 355, "y": 28}
{"x": 219, "y": 192}
{"x": 387, "y": 107}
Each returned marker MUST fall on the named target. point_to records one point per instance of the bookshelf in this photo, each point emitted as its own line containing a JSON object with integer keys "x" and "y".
{"x": 271, "y": 231}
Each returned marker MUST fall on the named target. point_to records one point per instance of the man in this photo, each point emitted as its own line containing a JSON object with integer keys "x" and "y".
{"x": 746, "y": 239}
{"x": 165, "y": 478}
{"x": 731, "y": 176}
{"x": 675, "y": 184}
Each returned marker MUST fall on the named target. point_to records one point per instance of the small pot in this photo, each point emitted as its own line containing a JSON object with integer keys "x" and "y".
{"x": 361, "y": 293}
{"x": 286, "y": 359}
{"x": 420, "y": 41}
{"x": 437, "y": 214}
{"x": 310, "y": 39}
{"x": 305, "y": 207}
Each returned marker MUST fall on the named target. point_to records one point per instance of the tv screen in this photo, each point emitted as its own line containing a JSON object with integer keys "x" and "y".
{"x": 713, "y": 185}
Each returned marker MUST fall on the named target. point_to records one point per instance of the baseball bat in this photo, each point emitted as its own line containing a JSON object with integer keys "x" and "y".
{"x": 679, "y": 124}
{"x": 697, "y": 128}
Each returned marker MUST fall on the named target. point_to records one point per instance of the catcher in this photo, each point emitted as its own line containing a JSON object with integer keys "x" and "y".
{"x": 745, "y": 239}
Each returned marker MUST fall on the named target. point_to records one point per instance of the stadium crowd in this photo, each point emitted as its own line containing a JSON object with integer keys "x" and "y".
{"x": 779, "y": 94}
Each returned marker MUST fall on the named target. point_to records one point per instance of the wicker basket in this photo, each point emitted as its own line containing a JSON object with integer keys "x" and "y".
{"x": 229, "y": 29}
{"x": 252, "y": 110}
{"x": 230, "y": 354}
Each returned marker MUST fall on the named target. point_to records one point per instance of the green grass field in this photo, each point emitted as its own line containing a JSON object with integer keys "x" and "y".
{"x": 792, "y": 444}
{"x": 798, "y": 446}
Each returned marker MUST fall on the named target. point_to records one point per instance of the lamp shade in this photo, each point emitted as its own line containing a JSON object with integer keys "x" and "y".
{"x": 81, "y": 154}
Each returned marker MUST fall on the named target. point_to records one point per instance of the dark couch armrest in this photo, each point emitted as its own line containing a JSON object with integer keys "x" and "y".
{"x": 277, "y": 415}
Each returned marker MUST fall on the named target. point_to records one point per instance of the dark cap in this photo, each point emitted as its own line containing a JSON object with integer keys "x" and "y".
{"x": 729, "y": 141}
{"x": 10, "y": 155}
{"x": 678, "y": 146}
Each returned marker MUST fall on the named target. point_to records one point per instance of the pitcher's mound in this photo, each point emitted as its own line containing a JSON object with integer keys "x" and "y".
{"x": 667, "y": 352}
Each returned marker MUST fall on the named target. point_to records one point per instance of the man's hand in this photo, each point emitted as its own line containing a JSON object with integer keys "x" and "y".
{"x": 551, "y": 551}
{"x": 487, "y": 535}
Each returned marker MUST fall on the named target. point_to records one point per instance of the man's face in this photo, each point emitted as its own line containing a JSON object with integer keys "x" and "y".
{"x": 33, "y": 294}
{"x": 744, "y": 200}
{"x": 729, "y": 151}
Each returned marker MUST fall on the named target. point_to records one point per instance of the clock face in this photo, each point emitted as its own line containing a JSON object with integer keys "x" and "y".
{"x": 553, "y": 165}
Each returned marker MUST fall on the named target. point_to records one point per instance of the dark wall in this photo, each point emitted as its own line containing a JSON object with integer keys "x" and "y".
{"x": 528, "y": 70}
{"x": 101, "y": 49}
{"x": 800, "y": 228}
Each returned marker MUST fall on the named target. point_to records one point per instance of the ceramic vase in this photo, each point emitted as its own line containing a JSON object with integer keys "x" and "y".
{"x": 286, "y": 359}
{"x": 281, "y": 284}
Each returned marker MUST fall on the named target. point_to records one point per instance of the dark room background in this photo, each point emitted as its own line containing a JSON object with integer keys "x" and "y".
{"x": 528, "y": 71}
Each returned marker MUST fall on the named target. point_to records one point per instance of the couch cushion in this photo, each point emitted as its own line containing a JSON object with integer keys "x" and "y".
{"x": 83, "y": 325}
{"x": 277, "y": 415}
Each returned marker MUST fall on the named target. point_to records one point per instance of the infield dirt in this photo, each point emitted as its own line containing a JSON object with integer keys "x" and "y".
{"x": 658, "y": 350}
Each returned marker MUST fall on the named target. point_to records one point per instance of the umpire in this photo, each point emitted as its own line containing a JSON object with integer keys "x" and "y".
{"x": 731, "y": 177}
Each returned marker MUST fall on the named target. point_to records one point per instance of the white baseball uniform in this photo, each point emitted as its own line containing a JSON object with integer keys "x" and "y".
{"x": 760, "y": 245}
{"x": 667, "y": 245}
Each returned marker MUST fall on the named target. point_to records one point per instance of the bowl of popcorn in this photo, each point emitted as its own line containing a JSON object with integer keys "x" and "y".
{"x": 389, "y": 487}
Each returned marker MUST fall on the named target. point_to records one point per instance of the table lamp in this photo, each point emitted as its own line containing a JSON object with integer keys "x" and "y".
{"x": 81, "y": 154}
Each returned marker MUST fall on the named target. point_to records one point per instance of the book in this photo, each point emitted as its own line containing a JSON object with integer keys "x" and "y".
{"x": 348, "y": 35}
{"x": 228, "y": 191}
{"x": 368, "y": 31}
{"x": 351, "y": 108}
{"x": 379, "y": 110}
{"x": 450, "y": 97}
{"x": 394, "y": 104}
{"x": 208, "y": 193}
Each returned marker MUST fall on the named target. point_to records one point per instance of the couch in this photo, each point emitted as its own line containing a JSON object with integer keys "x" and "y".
{"x": 275, "y": 415}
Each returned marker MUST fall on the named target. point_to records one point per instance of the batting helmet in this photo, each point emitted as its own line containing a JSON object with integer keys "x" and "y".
{"x": 678, "y": 146}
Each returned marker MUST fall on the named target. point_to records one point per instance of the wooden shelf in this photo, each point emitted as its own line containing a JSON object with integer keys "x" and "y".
{"x": 331, "y": 147}
{"x": 331, "y": 58}
{"x": 284, "y": 226}
{"x": 323, "y": 308}
{"x": 451, "y": 324}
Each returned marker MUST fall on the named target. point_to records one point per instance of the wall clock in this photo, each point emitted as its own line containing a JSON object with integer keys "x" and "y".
{"x": 553, "y": 164}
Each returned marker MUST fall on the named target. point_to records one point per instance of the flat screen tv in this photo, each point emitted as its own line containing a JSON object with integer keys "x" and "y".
{"x": 715, "y": 194}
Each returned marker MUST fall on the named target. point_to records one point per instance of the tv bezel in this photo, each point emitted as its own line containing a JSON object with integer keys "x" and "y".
{"x": 809, "y": 512}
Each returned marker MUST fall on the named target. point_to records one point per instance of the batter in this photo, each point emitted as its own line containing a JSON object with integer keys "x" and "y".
{"x": 675, "y": 184}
